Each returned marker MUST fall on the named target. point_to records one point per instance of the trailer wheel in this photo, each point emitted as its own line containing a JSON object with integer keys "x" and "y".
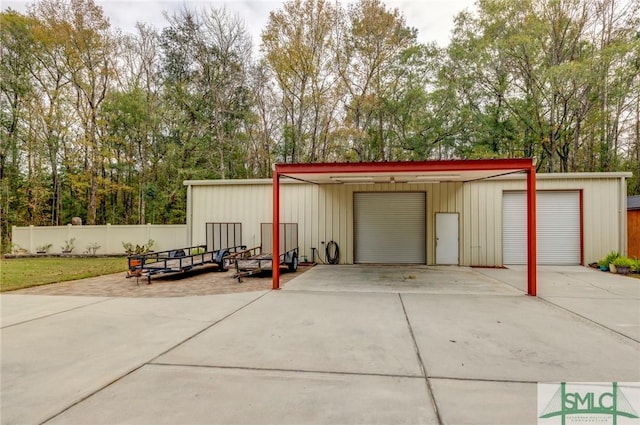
{"x": 293, "y": 266}
{"x": 221, "y": 267}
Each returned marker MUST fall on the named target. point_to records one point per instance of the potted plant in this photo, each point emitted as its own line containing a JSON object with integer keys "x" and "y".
{"x": 635, "y": 268}
{"x": 68, "y": 246}
{"x": 609, "y": 260}
{"x": 623, "y": 264}
{"x": 92, "y": 248}
{"x": 43, "y": 249}
{"x": 604, "y": 265}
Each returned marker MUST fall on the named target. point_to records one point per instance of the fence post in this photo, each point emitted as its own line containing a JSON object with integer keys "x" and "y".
{"x": 107, "y": 239}
{"x": 31, "y": 249}
{"x": 148, "y": 232}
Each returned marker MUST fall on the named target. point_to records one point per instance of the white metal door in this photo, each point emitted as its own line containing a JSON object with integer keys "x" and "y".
{"x": 390, "y": 227}
{"x": 558, "y": 227}
{"x": 447, "y": 238}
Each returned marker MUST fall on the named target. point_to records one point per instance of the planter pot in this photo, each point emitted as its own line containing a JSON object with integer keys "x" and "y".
{"x": 612, "y": 268}
{"x": 604, "y": 268}
{"x": 624, "y": 270}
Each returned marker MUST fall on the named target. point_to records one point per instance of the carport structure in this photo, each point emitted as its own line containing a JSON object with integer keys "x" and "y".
{"x": 411, "y": 172}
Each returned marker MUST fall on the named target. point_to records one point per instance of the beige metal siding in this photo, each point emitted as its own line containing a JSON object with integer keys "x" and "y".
{"x": 336, "y": 219}
{"x": 482, "y": 217}
{"x": 325, "y": 213}
{"x": 251, "y": 205}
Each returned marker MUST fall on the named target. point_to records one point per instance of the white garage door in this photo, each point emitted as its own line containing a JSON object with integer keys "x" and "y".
{"x": 558, "y": 227}
{"x": 389, "y": 228}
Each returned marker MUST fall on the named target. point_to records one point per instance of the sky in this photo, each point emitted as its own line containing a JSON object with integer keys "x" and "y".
{"x": 432, "y": 18}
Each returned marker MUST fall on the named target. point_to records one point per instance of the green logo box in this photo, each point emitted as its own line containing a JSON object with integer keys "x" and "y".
{"x": 593, "y": 403}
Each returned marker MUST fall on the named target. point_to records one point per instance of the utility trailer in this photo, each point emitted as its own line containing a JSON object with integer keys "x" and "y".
{"x": 256, "y": 260}
{"x": 223, "y": 240}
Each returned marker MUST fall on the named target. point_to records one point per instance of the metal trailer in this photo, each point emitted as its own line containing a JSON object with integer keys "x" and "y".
{"x": 223, "y": 240}
{"x": 256, "y": 260}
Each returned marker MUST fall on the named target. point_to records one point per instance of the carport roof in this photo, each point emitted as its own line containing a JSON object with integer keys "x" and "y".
{"x": 418, "y": 171}
{"x": 403, "y": 172}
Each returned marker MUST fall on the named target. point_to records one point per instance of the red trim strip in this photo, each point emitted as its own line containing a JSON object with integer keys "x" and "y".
{"x": 275, "y": 253}
{"x": 518, "y": 164}
{"x": 531, "y": 232}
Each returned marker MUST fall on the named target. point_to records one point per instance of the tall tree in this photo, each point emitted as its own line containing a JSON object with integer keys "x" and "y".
{"x": 299, "y": 44}
{"x": 374, "y": 42}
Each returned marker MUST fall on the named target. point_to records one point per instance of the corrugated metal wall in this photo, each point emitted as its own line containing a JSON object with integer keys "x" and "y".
{"x": 250, "y": 204}
{"x": 482, "y": 216}
{"x": 325, "y": 213}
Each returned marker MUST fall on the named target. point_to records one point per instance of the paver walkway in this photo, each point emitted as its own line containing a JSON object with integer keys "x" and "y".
{"x": 202, "y": 281}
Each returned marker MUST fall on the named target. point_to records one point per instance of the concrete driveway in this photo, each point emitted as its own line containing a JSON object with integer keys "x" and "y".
{"x": 340, "y": 344}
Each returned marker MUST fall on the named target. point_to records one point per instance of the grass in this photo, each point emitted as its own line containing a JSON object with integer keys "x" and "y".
{"x": 19, "y": 273}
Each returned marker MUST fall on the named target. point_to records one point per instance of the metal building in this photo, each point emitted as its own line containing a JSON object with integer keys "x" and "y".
{"x": 438, "y": 218}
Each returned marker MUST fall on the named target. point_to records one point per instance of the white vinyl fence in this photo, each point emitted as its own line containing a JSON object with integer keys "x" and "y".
{"x": 109, "y": 237}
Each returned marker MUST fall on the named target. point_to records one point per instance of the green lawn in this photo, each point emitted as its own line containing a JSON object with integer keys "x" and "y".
{"x": 18, "y": 273}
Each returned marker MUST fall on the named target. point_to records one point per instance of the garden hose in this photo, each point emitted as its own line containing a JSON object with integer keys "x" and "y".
{"x": 332, "y": 253}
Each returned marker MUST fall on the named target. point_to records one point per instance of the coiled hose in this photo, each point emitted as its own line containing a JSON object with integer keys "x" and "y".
{"x": 332, "y": 253}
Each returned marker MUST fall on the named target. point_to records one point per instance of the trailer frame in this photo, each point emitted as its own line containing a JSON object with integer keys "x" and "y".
{"x": 184, "y": 259}
{"x": 259, "y": 259}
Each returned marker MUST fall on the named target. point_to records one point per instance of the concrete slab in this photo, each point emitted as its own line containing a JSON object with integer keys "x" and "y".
{"x": 569, "y": 281}
{"x": 606, "y": 298}
{"x": 18, "y": 308}
{"x": 464, "y": 402}
{"x": 334, "y": 348}
{"x": 399, "y": 279}
{"x": 320, "y": 331}
{"x": 55, "y": 361}
{"x": 188, "y": 395}
{"x": 515, "y": 339}
{"x": 621, "y": 315}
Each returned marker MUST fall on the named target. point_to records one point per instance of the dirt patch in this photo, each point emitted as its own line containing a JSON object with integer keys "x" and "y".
{"x": 201, "y": 281}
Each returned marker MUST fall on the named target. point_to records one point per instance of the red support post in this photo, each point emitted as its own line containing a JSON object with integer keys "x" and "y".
{"x": 532, "y": 282}
{"x": 275, "y": 252}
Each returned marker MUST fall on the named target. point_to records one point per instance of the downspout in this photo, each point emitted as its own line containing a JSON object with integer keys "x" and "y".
{"x": 189, "y": 213}
{"x": 623, "y": 217}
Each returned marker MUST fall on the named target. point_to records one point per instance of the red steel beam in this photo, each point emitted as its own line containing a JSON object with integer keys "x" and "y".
{"x": 532, "y": 282}
{"x": 275, "y": 252}
{"x": 408, "y": 166}
{"x": 516, "y": 164}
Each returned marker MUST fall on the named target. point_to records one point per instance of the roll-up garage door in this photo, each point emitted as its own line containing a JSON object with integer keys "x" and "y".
{"x": 558, "y": 227}
{"x": 389, "y": 228}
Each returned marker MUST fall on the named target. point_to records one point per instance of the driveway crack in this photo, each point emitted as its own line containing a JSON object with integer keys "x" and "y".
{"x": 423, "y": 368}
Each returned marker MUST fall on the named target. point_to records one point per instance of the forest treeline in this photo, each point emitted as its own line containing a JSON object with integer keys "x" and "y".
{"x": 106, "y": 125}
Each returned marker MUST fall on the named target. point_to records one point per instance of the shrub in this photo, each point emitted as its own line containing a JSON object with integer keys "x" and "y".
{"x": 623, "y": 262}
{"x": 129, "y": 249}
{"x": 610, "y": 257}
{"x": 44, "y": 248}
{"x": 69, "y": 245}
{"x": 92, "y": 248}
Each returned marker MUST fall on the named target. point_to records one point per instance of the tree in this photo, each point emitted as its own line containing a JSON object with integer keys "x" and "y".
{"x": 88, "y": 59}
{"x": 299, "y": 44}
{"x": 374, "y": 42}
{"x": 16, "y": 43}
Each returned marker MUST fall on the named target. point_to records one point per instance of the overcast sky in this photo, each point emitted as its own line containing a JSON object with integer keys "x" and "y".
{"x": 432, "y": 18}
